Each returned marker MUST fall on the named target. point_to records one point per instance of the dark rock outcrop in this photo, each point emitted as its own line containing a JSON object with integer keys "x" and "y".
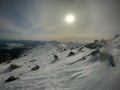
{"x": 11, "y": 78}
{"x": 35, "y": 68}
{"x": 71, "y": 54}
{"x": 55, "y": 57}
{"x": 13, "y": 67}
{"x": 80, "y": 49}
{"x": 93, "y": 53}
{"x": 91, "y": 45}
{"x": 33, "y": 60}
{"x": 65, "y": 49}
{"x": 94, "y": 45}
{"x": 116, "y": 36}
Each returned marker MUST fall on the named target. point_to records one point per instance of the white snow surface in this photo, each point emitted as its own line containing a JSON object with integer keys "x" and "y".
{"x": 89, "y": 74}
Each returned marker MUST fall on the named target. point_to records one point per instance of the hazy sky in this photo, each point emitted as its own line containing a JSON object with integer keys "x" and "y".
{"x": 44, "y": 19}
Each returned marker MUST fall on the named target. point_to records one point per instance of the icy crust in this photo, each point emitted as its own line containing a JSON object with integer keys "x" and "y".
{"x": 91, "y": 73}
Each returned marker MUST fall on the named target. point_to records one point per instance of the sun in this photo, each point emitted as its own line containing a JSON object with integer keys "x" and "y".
{"x": 70, "y": 18}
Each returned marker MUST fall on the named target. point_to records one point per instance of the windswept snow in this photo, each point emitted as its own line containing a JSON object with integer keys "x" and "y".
{"x": 92, "y": 73}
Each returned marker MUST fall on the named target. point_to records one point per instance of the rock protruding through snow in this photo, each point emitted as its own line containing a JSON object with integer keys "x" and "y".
{"x": 11, "y": 78}
{"x": 35, "y": 68}
{"x": 55, "y": 58}
{"x": 13, "y": 67}
{"x": 71, "y": 54}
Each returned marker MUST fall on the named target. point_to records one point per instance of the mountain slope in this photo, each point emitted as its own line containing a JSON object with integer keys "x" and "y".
{"x": 94, "y": 72}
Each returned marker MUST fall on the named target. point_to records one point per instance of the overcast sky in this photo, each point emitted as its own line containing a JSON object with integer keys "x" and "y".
{"x": 44, "y": 19}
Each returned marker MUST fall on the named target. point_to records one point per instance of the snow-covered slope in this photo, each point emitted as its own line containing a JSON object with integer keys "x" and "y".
{"x": 94, "y": 72}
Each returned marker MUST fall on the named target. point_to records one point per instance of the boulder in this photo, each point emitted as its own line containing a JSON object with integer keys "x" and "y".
{"x": 55, "y": 57}
{"x": 11, "y": 78}
{"x": 71, "y": 54}
{"x": 91, "y": 45}
{"x": 13, "y": 66}
{"x": 35, "y": 68}
{"x": 65, "y": 49}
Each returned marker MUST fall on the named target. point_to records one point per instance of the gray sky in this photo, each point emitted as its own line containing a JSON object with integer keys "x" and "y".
{"x": 44, "y": 19}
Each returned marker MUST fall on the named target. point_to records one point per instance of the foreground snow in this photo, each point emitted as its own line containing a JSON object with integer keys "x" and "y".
{"x": 89, "y": 74}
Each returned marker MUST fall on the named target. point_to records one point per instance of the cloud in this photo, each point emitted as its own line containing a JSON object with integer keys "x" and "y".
{"x": 44, "y": 19}
{"x": 9, "y": 26}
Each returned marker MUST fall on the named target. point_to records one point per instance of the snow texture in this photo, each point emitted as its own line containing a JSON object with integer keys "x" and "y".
{"x": 91, "y": 73}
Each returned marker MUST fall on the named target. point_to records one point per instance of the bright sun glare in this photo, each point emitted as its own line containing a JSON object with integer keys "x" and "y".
{"x": 70, "y": 18}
